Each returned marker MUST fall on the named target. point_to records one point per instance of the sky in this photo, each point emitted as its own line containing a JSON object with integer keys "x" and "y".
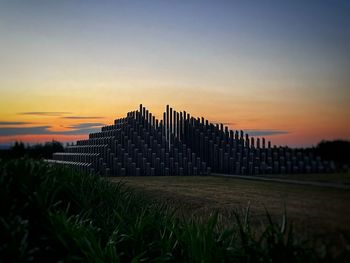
{"x": 279, "y": 69}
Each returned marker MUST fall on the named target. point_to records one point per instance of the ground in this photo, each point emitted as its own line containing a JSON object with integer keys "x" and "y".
{"x": 315, "y": 211}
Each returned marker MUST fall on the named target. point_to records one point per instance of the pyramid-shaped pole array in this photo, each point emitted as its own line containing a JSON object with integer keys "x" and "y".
{"x": 180, "y": 144}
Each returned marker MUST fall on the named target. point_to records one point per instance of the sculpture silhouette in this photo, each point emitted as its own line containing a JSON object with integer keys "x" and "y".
{"x": 180, "y": 144}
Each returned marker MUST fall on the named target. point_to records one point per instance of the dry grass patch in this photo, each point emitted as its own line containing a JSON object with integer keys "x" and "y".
{"x": 315, "y": 210}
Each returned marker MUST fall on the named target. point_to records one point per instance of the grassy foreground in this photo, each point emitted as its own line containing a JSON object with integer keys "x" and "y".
{"x": 317, "y": 212}
{"x": 51, "y": 214}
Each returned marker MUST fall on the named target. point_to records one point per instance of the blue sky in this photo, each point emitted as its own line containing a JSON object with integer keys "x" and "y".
{"x": 260, "y": 65}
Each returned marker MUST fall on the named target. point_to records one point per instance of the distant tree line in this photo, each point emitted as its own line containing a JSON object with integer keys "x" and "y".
{"x": 37, "y": 151}
{"x": 337, "y": 151}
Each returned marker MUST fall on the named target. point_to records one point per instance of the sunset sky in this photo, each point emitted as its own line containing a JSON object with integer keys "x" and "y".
{"x": 275, "y": 68}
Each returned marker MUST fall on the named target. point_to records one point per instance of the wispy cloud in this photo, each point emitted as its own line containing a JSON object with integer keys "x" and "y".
{"x": 86, "y": 125}
{"x": 82, "y": 117}
{"x": 11, "y": 123}
{"x": 44, "y": 130}
{"x": 265, "y": 132}
{"x": 45, "y": 113}
{"x": 24, "y": 130}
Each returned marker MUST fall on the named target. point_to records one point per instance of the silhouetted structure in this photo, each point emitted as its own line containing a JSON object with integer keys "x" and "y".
{"x": 180, "y": 144}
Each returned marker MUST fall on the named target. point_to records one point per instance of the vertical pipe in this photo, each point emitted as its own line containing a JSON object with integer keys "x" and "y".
{"x": 170, "y": 126}
{"x": 226, "y": 135}
{"x": 177, "y": 125}
{"x": 181, "y": 126}
{"x": 188, "y": 129}
{"x": 163, "y": 124}
{"x": 161, "y": 128}
{"x": 185, "y": 126}
{"x": 167, "y": 123}
{"x": 171, "y": 121}
{"x": 140, "y": 112}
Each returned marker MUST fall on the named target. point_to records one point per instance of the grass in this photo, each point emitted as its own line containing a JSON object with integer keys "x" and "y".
{"x": 320, "y": 215}
{"x": 320, "y": 208}
{"x": 52, "y": 214}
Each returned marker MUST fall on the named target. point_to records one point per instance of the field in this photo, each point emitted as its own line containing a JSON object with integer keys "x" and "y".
{"x": 316, "y": 211}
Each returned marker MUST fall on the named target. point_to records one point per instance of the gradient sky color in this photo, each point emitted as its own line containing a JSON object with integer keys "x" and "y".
{"x": 274, "y": 68}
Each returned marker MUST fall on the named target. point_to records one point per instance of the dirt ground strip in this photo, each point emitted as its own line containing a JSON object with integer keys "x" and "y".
{"x": 315, "y": 210}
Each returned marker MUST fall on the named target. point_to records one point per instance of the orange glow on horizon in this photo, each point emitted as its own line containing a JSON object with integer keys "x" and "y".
{"x": 299, "y": 131}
